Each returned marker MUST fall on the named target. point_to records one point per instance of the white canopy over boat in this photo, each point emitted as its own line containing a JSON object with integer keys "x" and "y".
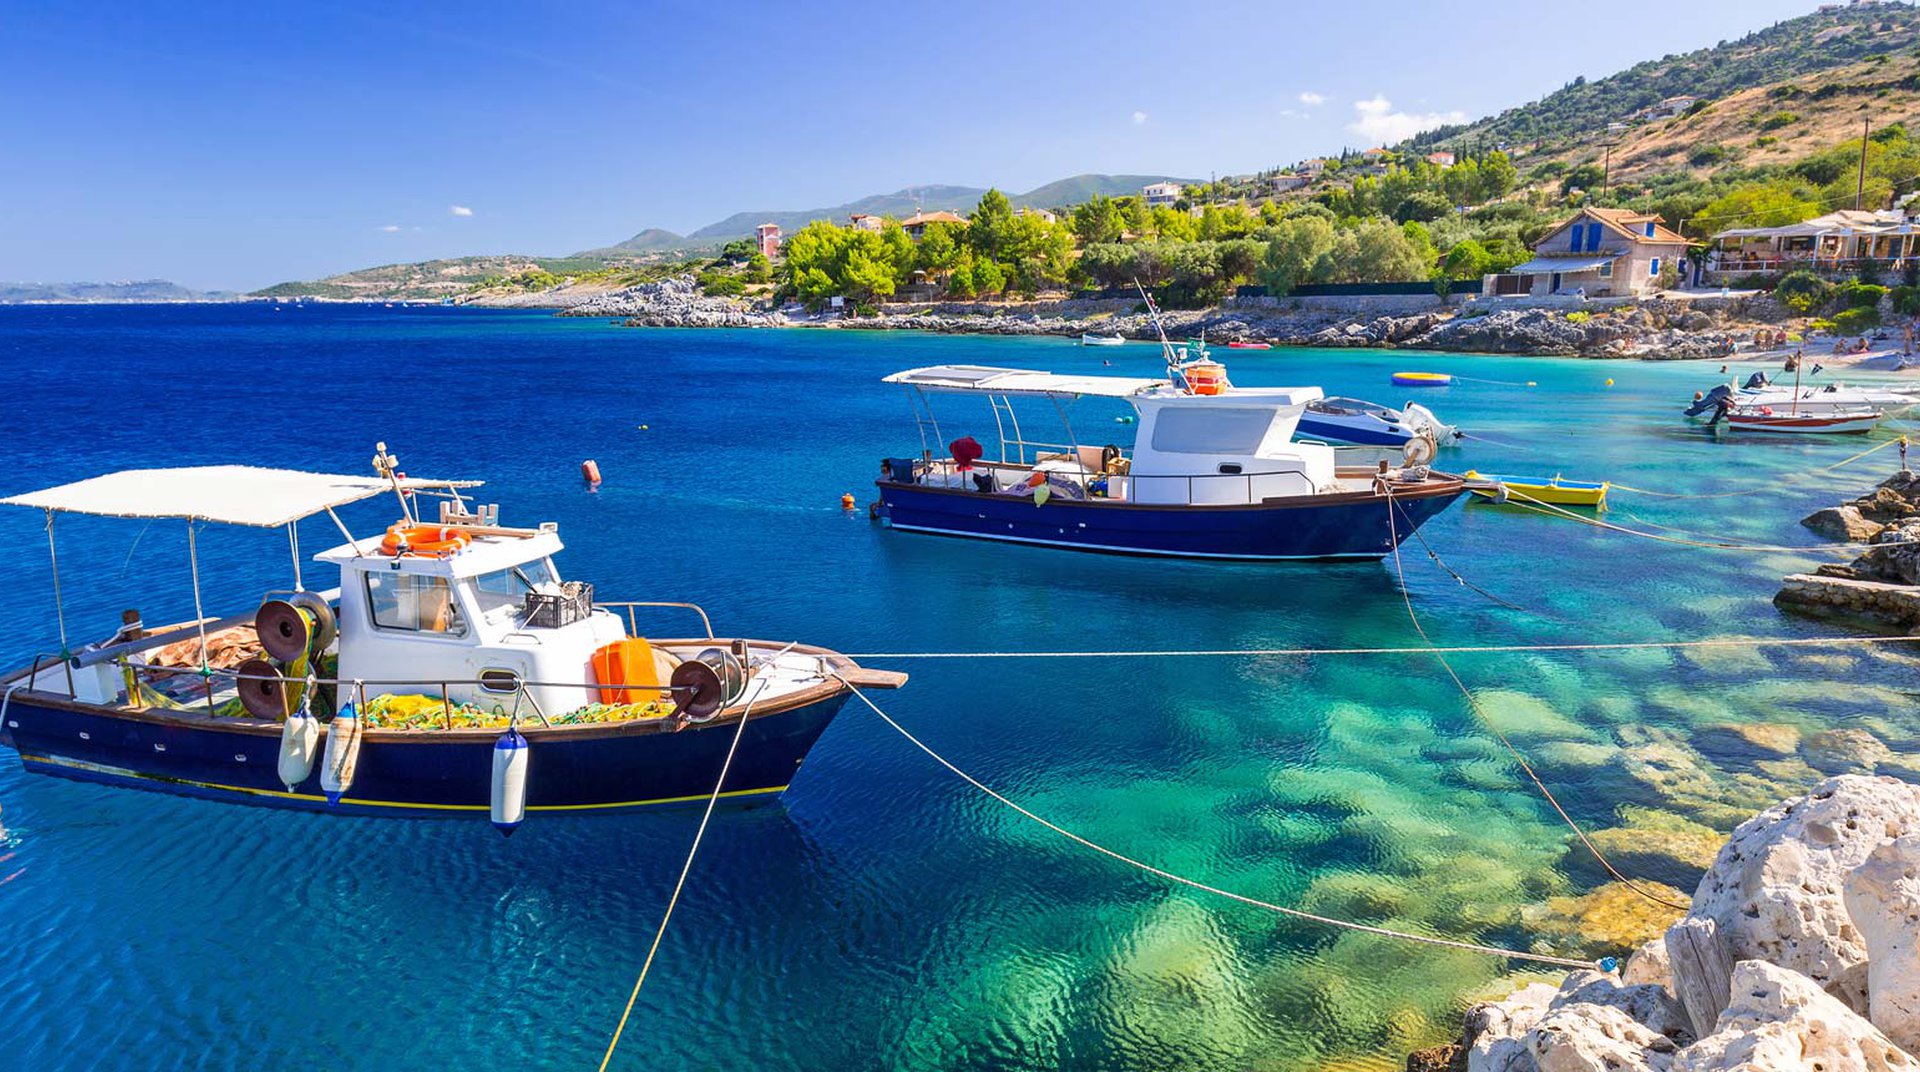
{"x": 228, "y": 494}
{"x": 1008, "y": 381}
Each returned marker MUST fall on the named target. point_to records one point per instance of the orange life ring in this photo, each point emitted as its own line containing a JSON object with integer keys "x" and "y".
{"x": 423, "y": 540}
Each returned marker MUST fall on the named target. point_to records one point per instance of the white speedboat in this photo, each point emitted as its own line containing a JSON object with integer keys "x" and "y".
{"x": 1352, "y": 420}
{"x": 1769, "y": 419}
{"x": 1102, "y": 340}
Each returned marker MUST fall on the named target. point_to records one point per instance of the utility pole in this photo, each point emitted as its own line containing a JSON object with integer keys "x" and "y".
{"x": 1860, "y": 189}
{"x": 1606, "y": 169}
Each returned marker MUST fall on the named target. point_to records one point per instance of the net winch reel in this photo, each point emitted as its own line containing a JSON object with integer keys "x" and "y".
{"x": 291, "y": 630}
{"x": 705, "y": 684}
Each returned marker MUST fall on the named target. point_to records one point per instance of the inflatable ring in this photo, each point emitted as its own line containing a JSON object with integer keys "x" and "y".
{"x": 423, "y": 540}
{"x": 1422, "y": 379}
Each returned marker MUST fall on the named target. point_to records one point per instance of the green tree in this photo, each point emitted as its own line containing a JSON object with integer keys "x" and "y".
{"x": 942, "y": 247}
{"x": 1297, "y": 253}
{"x": 1098, "y": 220}
{"x": 1772, "y": 204}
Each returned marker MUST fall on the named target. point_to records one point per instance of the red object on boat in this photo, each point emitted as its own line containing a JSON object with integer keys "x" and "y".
{"x": 966, "y": 450}
{"x": 1249, "y": 346}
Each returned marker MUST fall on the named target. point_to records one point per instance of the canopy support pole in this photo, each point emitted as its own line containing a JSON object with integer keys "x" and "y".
{"x": 342, "y": 526}
{"x": 293, "y": 548}
{"x": 199, "y": 614}
{"x": 59, "y": 604}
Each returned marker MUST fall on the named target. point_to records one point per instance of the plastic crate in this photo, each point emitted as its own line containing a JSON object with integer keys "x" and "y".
{"x": 549, "y": 610}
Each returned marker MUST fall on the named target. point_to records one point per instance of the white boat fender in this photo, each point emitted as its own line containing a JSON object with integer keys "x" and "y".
{"x": 299, "y": 740}
{"x": 509, "y": 803}
{"x": 343, "y": 754}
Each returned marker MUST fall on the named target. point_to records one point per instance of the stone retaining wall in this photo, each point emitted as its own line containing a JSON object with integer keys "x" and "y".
{"x": 1895, "y": 604}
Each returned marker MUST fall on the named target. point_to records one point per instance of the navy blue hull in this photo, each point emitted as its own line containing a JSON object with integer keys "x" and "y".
{"x": 1329, "y": 526}
{"x": 420, "y": 773}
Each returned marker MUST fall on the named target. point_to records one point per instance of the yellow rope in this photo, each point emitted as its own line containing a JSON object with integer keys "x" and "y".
{"x": 1542, "y": 507}
{"x": 1899, "y": 441}
{"x": 1450, "y": 943}
{"x": 680, "y": 883}
{"x": 1473, "y": 704}
{"x": 1455, "y": 649}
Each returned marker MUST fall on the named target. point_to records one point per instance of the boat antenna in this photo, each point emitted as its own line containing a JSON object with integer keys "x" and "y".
{"x": 1166, "y": 345}
{"x": 389, "y": 466}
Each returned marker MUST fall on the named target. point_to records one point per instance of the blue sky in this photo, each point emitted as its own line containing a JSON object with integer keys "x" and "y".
{"x": 236, "y": 145}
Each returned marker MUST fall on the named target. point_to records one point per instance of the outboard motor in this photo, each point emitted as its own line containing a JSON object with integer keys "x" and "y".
{"x": 1757, "y": 380}
{"x": 1713, "y": 400}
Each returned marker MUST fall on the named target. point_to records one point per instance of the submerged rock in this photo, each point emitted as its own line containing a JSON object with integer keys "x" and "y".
{"x": 1610, "y": 918}
{"x": 1843, "y": 751}
{"x": 1842, "y": 523}
{"x": 1781, "y": 1020}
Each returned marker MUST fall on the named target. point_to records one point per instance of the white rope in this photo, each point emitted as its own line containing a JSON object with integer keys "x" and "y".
{"x": 1458, "y": 649}
{"x": 1295, "y": 913}
{"x": 686, "y": 867}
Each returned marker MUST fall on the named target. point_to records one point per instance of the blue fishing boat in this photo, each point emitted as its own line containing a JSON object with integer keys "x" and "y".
{"x": 452, "y": 672}
{"x": 1352, "y": 420}
{"x": 1213, "y": 472}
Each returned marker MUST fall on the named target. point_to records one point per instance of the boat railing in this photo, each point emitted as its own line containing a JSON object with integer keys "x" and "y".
{"x": 633, "y": 624}
{"x": 1188, "y": 481}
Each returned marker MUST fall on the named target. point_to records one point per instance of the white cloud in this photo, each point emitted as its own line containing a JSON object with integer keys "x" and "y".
{"x": 1312, "y": 99}
{"x": 391, "y": 228}
{"x": 1139, "y": 118}
{"x": 1377, "y": 122}
{"x": 460, "y": 210}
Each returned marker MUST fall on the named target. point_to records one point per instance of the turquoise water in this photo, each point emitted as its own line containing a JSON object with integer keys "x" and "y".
{"x": 885, "y": 915}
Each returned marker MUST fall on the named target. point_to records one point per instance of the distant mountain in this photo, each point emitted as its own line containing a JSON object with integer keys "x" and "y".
{"x": 651, "y": 240}
{"x": 144, "y": 290}
{"x": 961, "y": 199}
{"x": 1807, "y": 45}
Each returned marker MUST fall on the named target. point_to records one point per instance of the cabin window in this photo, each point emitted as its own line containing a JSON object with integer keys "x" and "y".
{"x": 414, "y": 603}
{"x": 509, "y": 587}
{"x": 1207, "y": 430}
{"x": 1606, "y": 269}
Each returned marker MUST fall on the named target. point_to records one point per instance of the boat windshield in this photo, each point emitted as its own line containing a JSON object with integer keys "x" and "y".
{"x": 507, "y": 589}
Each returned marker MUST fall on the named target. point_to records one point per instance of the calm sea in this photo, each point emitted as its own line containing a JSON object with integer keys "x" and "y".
{"x": 885, "y": 915}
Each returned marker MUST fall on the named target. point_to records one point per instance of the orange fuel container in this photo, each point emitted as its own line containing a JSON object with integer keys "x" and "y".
{"x": 627, "y": 672}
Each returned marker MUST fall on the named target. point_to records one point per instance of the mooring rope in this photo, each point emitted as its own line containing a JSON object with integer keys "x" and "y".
{"x": 1448, "y": 649}
{"x": 1896, "y": 441}
{"x": 1464, "y": 583}
{"x": 1473, "y": 704}
{"x": 1295, "y": 913}
{"x": 685, "y": 868}
{"x": 1540, "y": 506}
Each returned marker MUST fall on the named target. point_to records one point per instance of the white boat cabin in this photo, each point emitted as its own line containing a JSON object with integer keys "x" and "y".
{"x": 416, "y": 621}
{"x": 1233, "y": 446}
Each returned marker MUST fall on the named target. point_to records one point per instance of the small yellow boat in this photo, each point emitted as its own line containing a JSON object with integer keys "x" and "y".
{"x": 1558, "y": 490}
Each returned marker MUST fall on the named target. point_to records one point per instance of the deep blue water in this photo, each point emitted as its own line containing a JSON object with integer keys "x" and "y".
{"x": 885, "y": 915}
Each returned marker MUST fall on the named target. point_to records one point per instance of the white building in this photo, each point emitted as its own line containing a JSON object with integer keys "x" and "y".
{"x": 1160, "y": 193}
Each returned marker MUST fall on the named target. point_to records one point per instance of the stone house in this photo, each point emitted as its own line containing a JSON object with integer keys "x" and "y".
{"x": 1600, "y": 252}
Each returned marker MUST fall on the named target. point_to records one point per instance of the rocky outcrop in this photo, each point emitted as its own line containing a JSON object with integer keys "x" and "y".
{"x": 678, "y": 303}
{"x": 1775, "y": 889}
{"x": 1844, "y": 523}
{"x": 1883, "y": 900}
{"x": 1809, "y": 920}
{"x": 1781, "y": 1020}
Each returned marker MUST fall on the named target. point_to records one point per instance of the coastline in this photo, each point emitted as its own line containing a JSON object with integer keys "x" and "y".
{"x": 1694, "y": 326}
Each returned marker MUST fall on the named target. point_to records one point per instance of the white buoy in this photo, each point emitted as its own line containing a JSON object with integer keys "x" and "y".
{"x": 509, "y": 804}
{"x": 299, "y": 740}
{"x": 343, "y": 754}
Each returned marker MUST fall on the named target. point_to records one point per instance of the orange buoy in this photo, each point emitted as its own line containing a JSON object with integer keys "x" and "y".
{"x": 590, "y": 472}
{"x": 846, "y": 501}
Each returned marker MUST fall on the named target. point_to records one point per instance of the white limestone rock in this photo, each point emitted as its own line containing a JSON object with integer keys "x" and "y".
{"x": 1782, "y": 1021}
{"x": 1580, "y": 1037}
{"x": 1649, "y": 965}
{"x": 1775, "y": 889}
{"x": 1498, "y": 1030}
{"x": 1647, "y": 1004}
{"x": 1883, "y": 900}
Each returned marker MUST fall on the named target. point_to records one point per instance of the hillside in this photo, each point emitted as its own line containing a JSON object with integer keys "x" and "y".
{"x": 1808, "y": 45}
{"x": 145, "y": 290}
{"x": 961, "y": 199}
{"x": 650, "y": 240}
{"x": 428, "y": 279}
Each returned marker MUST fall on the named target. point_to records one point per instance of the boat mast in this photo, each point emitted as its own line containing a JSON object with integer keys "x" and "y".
{"x": 1166, "y": 345}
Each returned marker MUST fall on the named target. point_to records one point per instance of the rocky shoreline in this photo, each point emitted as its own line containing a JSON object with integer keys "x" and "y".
{"x": 1882, "y": 585}
{"x": 1655, "y": 329}
{"x": 1797, "y": 952}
